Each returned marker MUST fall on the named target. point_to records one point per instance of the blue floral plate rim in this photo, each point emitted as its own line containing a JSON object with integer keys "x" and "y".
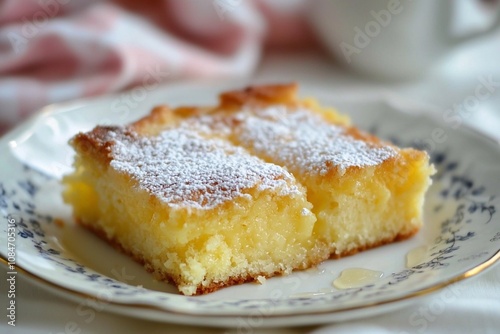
{"x": 301, "y": 309}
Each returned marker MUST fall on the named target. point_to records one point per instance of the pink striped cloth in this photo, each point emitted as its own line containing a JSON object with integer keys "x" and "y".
{"x": 56, "y": 50}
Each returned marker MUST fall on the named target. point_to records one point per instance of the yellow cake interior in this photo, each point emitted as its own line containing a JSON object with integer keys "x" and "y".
{"x": 369, "y": 207}
{"x": 357, "y": 207}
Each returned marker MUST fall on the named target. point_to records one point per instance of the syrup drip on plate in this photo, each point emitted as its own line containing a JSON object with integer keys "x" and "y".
{"x": 356, "y": 277}
{"x": 307, "y": 295}
{"x": 416, "y": 256}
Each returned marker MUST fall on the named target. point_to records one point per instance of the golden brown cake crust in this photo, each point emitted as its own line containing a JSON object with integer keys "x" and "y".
{"x": 97, "y": 143}
{"x": 265, "y": 94}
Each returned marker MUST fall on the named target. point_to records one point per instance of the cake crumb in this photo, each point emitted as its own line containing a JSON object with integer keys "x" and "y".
{"x": 58, "y": 222}
{"x": 305, "y": 212}
{"x": 261, "y": 279}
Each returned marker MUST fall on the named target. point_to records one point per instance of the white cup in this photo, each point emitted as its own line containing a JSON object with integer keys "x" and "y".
{"x": 399, "y": 38}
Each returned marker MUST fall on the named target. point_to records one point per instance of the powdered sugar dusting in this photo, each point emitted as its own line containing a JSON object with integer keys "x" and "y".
{"x": 186, "y": 170}
{"x": 303, "y": 141}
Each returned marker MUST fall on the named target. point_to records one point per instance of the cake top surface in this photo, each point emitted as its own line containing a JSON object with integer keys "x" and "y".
{"x": 184, "y": 169}
{"x": 299, "y": 138}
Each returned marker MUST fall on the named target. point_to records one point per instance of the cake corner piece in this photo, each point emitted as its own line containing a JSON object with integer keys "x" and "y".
{"x": 199, "y": 212}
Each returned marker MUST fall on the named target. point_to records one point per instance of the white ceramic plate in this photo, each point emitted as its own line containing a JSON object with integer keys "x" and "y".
{"x": 461, "y": 236}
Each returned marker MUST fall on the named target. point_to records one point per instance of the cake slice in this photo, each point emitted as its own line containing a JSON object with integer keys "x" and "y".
{"x": 365, "y": 192}
{"x": 262, "y": 184}
{"x": 197, "y": 211}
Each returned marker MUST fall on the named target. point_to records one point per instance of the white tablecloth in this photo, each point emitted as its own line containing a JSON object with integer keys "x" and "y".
{"x": 469, "y": 306}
